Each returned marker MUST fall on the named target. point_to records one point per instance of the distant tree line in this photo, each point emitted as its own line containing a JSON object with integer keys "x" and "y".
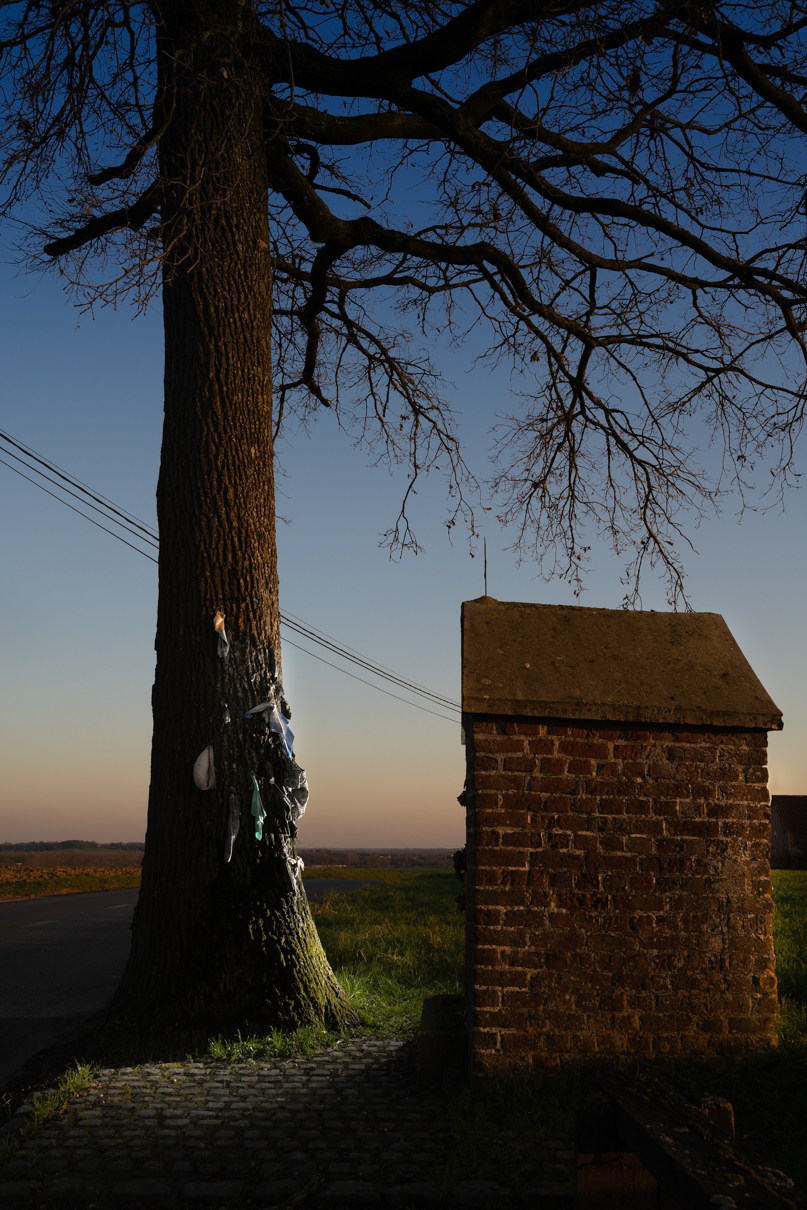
{"x": 374, "y": 858}
{"x": 39, "y": 846}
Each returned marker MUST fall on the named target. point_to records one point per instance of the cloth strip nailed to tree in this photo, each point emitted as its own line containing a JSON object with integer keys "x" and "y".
{"x": 257, "y": 808}
{"x": 218, "y": 625}
{"x": 291, "y": 787}
{"x": 276, "y": 722}
{"x": 204, "y": 770}
{"x": 233, "y": 825}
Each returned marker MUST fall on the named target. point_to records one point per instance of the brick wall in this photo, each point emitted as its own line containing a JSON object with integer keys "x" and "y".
{"x": 618, "y": 891}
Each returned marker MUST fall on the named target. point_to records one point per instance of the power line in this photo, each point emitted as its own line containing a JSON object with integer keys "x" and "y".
{"x": 333, "y": 639}
{"x": 78, "y": 510}
{"x": 149, "y": 530}
{"x": 345, "y": 672}
{"x": 123, "y": 519}
{"x": 362, "y": 662}
{"x": 123, "y": 524}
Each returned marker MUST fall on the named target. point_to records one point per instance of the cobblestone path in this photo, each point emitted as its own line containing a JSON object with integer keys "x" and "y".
{"x": 344, "y": 1127}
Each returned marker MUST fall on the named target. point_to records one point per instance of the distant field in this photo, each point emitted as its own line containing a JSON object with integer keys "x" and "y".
{"x": 384, "y": 874}
{"x": 27, "y": 882}
{"x": 72, "y": 858}
{"x": 330, "y": 859}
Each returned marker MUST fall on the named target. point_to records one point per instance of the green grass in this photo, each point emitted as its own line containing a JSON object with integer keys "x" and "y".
{"x": 382, "y": 874}
{"x": 393, "y": 943}
{"x": 46, "y": 1105}
{"x": 389, "y": 944}
{"x": 790, "y": 942}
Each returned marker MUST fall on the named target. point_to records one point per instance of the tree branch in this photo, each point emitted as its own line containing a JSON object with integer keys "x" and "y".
{"x": 134, "y": 217}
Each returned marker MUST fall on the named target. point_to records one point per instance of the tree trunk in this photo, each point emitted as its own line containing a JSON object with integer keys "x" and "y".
{"x": 217, "y": 943}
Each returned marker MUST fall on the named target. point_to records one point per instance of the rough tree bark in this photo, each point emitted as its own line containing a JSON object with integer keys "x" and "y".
{"x": 217, "y": 943}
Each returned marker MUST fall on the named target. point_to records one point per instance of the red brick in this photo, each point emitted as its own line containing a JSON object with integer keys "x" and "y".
{"x": 503, "y": 818}
{"x": 586, "y": 841}
{"x": 488, "y": 858}
{"x": 639, "y": 844}
{"x": 542, "y": 747}
{"x": 612, "y": 844}
{"x": 552, "y": 785}
{"x": 627, "y": 751}
{"x": 610, "y": 896}
{"x": 519, "y": 764}
{"x": 516, "y": 840}
{"x": 500, "y": 781}
{"x": 580, "y": 748}
{"x": 497, "y": 745}
{"x": 553, "y": 765}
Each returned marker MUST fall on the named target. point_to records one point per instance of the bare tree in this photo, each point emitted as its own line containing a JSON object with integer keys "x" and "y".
{"x": 606, "y": 197}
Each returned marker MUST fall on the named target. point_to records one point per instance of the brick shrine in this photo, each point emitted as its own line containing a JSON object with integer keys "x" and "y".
{"x": 618, "y": 836}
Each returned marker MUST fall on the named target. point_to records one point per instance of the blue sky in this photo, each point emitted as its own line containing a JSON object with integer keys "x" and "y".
{"x": 79, "y": 608}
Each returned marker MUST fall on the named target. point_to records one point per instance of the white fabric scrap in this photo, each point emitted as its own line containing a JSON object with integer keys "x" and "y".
{"x": 218, "y": 626}
{"x": 233, "y": 826}
{"x": 277, "y": 723}
{"x": 204, "y": 771}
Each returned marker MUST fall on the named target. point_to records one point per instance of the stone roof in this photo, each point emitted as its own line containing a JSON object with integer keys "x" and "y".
{"x": 572, "y": 662}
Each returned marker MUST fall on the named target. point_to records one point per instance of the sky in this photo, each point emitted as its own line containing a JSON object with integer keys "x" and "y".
{"x": 79, "y": 608}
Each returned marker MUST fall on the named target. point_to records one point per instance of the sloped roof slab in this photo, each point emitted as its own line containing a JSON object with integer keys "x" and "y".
{"x": 573, "y": 662}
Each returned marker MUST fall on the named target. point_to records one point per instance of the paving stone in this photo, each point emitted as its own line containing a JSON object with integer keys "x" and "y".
{"x": 212, "y": 1191}
{"x": 271, "y": 1193}
{"x": 12, "y": 1126}
{"x": 21, "y": 1164}
{"x": 214, "y": 1128}
{"x": 71, "y": 1190}
{"x": 414, "y": 1196}
{"x": 546, "y": 1197}
{"x": 350, "y": 1194}
{"x": 15, "y": 1191}
{"x": 136, "y": 1190}
{"x": 481, "y": 1195}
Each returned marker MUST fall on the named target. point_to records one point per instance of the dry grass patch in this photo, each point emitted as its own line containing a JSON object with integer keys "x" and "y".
{"x": 29, "y": 882}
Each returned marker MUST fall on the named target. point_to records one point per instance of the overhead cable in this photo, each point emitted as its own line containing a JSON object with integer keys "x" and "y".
{"x": 344, "y": 671}
{"x": 130, "y": 524}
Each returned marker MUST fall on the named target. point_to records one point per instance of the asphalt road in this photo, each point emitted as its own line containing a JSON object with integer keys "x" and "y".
{"x": 61, "y": 958}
